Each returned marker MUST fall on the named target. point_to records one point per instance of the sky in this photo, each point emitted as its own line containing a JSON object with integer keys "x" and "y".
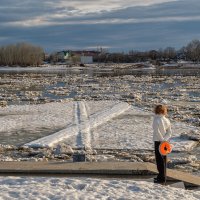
{"x": 115, "y": 25}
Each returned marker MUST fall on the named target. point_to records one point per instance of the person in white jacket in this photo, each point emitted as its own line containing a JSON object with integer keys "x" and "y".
{"x": 161, "y": 132}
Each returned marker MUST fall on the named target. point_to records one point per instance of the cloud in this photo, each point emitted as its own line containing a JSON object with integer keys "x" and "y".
{"x": 42, "y": 22}
{"x": 101, "y": 12}
{"x": 33, "y": 13}
{"x": 91, "y": 6}
{"x": 138, "y": 36}
{"x": 114, "y": 24}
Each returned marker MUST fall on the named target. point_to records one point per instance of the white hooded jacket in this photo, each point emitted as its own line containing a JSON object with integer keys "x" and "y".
{"x": 161, "y": 128}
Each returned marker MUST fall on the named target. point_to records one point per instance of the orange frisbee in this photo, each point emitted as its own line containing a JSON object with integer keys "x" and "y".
{"x": 165, "y": 148}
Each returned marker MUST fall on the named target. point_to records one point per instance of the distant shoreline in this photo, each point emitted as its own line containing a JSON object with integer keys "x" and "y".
{"x": 114, "y": 65}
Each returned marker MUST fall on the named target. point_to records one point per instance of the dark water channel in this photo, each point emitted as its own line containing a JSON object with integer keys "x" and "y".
{"x": 109, "y": 72}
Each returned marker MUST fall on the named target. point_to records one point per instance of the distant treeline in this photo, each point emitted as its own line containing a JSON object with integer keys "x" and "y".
{"x": 24, "y": 54}
{"x": 191, "y": 52}
{"x": 21, "y": 54}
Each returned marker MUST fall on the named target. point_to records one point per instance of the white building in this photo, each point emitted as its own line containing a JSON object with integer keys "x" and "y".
{"x": 86, "y": 59}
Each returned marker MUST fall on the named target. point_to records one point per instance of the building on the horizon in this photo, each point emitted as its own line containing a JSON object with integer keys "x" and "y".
{"x": 81, "y": 56}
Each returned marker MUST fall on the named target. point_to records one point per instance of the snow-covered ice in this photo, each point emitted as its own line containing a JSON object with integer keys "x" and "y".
{"x": 88, "y": 188}
{"x": 97, "y": 124}
{"x": 44, "y": 68}
{"x": 133, "y": 130}
{"x": 34, "y": 119}
{"x": 83, "y": 125}
{"x": 31, "y": 117}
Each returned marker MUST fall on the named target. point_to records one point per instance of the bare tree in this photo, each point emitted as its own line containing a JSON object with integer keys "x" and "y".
{"x": 193, "y": 51}
{"x": 169, "y": 53}
{"x": 153, "y": 54}
{"x": 21, "y": 54}
{"x": 54, "y": 58}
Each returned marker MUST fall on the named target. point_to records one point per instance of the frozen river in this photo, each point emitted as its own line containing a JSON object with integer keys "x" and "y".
{"x": 47, "y": 102}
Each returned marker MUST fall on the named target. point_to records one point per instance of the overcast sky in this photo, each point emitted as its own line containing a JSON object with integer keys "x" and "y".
{"x": 119, "y": 25}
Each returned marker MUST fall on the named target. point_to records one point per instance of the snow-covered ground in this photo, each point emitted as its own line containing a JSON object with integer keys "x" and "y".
{"x": 97, "y": 124}
{"x": 87, "y": 188}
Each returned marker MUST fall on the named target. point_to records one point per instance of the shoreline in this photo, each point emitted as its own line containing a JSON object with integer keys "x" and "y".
{"x": 139, "y": 65}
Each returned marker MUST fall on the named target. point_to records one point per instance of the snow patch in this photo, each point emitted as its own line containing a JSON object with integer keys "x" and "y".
{"x": 88, "y": 188}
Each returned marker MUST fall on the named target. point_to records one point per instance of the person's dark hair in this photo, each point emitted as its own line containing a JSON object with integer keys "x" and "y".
{"x": 160, "y": 109}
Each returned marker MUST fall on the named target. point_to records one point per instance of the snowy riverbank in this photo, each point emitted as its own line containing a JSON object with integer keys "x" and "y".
{"x": 88, "y": 188}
